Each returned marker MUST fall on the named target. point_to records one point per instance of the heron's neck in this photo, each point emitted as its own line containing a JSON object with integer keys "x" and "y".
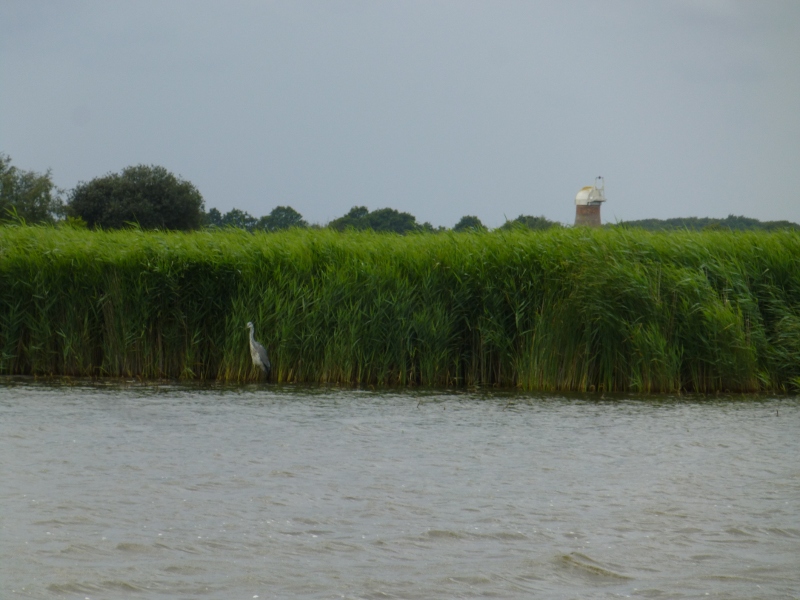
{"x": 252, "y": 337}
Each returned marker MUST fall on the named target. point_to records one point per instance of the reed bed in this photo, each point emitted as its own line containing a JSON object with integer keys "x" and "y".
{"x": 572, "y": 309}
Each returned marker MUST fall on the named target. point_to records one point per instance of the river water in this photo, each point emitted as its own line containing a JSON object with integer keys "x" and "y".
{"x": 132, "y": 491}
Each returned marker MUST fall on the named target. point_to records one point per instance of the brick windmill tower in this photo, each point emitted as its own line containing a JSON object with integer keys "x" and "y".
{"x": 587, "y": 204}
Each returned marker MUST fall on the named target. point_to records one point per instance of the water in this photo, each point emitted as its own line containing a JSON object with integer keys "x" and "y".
{"x": 109, "y": 491}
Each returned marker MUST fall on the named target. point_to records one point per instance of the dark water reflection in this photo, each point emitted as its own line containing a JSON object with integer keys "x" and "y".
{"x": 114, "y": 491}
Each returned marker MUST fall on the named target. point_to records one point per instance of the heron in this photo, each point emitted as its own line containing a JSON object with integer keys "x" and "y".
{"x": 258, "y": 352}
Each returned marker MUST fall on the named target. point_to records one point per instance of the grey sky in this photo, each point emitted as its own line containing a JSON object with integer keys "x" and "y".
{"x": 438, "y": 108}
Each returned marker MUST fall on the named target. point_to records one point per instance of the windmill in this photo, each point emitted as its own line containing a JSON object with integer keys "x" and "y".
{"x": 587, "y": 204}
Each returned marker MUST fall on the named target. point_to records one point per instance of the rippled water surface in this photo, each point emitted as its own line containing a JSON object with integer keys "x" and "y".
{"x": 180, "y": 492}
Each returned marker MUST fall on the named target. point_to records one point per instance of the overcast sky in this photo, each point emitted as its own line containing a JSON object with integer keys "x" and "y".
{"x": 438, "y": 108}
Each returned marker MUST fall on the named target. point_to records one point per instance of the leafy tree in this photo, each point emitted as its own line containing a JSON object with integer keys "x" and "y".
{"x": 355, "y": 219}
{"x": 428, "y": 228}
{"x": 150, "y": 196}
{"x": 358, "y": 212}
{"x": 213, "y": 218}
{"x": 529, "y": 222}
{"x": 281, "y": 217}
{"x": 469, "y": 223}
{"x": 384, "y": 219}
{"x": 391, "y": 220}
{"x": 239, "y": 218}
{"x": 27, "y": 195}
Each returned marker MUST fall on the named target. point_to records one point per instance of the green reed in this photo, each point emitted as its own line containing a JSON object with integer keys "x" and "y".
{"x": 572, "y": 309}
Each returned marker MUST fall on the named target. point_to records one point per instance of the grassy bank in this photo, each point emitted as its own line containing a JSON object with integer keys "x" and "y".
{"x": 556, "y": 310}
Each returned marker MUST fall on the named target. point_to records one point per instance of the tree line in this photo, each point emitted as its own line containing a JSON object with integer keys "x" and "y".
{"x": 731, "y": 222}
{"x": 150, "y": 197}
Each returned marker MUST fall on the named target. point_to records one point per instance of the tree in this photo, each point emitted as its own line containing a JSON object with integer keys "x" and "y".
{"x": 355, "y": 219}
{"x": 384, "y": 219}
{"x": 358, "y": 212}
{"x": 391, "y": 220}
{"x": 149, "y": 196}
{"x": 27, "y": 195}
{"x": 213, "y": 218}
{"x": 529, "y": 222}
{"x": 239, "y": 218}
{"x": 426, "y": 227}
{"x": 281, "y": 217}
{"x": 469, "y": 223}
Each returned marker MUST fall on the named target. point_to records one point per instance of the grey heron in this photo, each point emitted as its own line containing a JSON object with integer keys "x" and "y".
{"x": 258, "y": 352}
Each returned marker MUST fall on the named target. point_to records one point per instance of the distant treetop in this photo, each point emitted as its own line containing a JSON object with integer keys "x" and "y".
{"x": 529, "y": 222}
{"x": 27, "y": 196}
{"x": 731, "y": 222}
{"x": 281, "y": 217}
{"x": 148, "y": 196}
{"x": 469, "y": 223}
{"x": 383, "y": 219}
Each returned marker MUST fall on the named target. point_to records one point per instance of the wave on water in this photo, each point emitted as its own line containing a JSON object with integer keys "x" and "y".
{"x": 136, "y": 548}
{"x": 83, "y": 549}
{"x": 94, "y": 588}
{"x": 586, "y": 566}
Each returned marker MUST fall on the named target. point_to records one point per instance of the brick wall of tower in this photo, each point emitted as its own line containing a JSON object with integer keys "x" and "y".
{"x": 587, "y": 215}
